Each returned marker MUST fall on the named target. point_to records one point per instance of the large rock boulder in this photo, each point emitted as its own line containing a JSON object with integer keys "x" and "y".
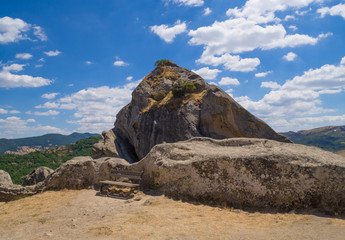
{"x": 83, "y": 172}
{"x": 106, "y": 145}
{"x": 155, "y": 115}
{"x": 248, "y": 173}
{"x": 37, "y": 175}
{"x": 5, "y": 178}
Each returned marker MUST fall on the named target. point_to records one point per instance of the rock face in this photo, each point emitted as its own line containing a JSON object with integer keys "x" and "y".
{"x": 5, "y": 178}
{"x": 37, "y": 175}
{"x": 155, "y": 115}
{"x": 106, "y": 145}
{"x": 83, "y": 172}
{"x": 248, "y": 173}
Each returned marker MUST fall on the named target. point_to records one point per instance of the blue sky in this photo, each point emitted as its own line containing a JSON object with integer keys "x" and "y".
{"x": 70, "y": 66}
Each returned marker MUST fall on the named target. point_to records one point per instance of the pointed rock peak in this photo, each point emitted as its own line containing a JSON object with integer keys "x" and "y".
{"x": 172, "y": 104}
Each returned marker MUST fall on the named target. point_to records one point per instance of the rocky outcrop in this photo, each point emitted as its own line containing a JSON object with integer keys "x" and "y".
{"x": 106, "y": 145}
{"x": 248, "y": 173}
{"x": 10, "y": 192}
{"x": 155, "y": 115}
{"x": 83, "y": 172}
{"x": 37, "y": 175}
{"x": 5, "y": 178}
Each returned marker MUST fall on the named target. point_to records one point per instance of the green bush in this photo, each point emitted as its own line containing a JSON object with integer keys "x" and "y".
{"x": 179, "y": 89}
{"x": 159, "y": 95}
{"x": 161, "y": 62}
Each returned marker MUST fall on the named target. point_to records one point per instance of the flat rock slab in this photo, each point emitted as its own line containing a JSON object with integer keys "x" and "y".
{"x": 248, "y": 173}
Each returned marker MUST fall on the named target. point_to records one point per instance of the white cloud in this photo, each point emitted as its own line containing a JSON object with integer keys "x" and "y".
{"x": 290, "y": 57}
{"x": 206, "y": 73}
{"x": 231, "y": 62}
{"x": 16, "y": 127}
{"x": 95, "y": 108}
{"x": 129, "y": 78}
{"x": 12, "y": 30}
{"x": 120, "y": 63}
{"x": 49, "y": 95}
{"x": 189, "y": 3}
{"x": 207, "y": 11}
{"x": 298, "y": 97}
{"x": 262, "y": 74}
{"x": 264, "y": 11}
{"x": 38, "y": 65}
{"x": 272, "y": 85}
{"x": 337, "y": 10}
{"x": 41, "y": 60}
{"x": 289, "y": 17}
{"x": 15, "y": 29}
{"x": 10, "y": 80}
{"x": 228, "y": 81}
{"x": 52, "y": 53}
{"x": 3, "y": 111}
{"x": 167, "y": 33}
{"x": 24, "y": 56}
{"x": 292, "y": 27}
{"x": 38, "y": 32}
{"x": 88, "y": 62}
{"x": 14, "y": 111}
{"x": 47, "y": 113}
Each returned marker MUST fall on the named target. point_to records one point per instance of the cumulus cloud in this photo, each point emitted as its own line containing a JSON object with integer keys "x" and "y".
{"x": 95, "y": 108}
{"x": 120, "y": 63}
{"x": 24, "y": 56}
{"x": 299, "y": 96}
{"x": 230, "y": 62}
{"x": 49, "y": 95}
{"x": 16, "y": 127}
{"x": 52, "y": 53}
{"x": 207, "y": 73}
{"x": 88, "y": 62}
{"x": 262, "y": 74}
{"x": 15, "y": 29}
{"x": 272, "y": 85}
{"x": 189, "y": 3}
{"x": 129, "y": 78}
{"x": 167, "y": 33}
{"x": 47, "y": 113}
{"x": 290, "y": 57}
{"x": 225, "y": 81}
{"x": 3, "y": 111}
{"x": 11, "y": 80}
{"x": 337, "y": 10}
{"x": 207, "y": 11}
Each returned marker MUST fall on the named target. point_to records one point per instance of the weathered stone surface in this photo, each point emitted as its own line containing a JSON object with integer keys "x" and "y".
{"x": 37, "y": 175}
{"x": 82, "y": 172}
{"x": 248, "y": 173}
{"x": 106, "y": 145}
{"x": 154, "y": 116}
{"x": 10, "y": 192}
{"x": 5, "y": 178}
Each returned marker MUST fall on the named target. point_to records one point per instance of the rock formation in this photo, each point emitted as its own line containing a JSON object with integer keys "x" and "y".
{"x": 106, "y": 145}
{"x": 248, "y": 173}
{"x": 5, "y": 178}
{"x": 82, "y": 172}
{"x": 37, "y": 175}
{"x": 155, "y": 115}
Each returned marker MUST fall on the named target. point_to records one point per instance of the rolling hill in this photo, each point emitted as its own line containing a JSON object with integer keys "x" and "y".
{"x": 331, "y": 138}
{"x": 47, "y": 140}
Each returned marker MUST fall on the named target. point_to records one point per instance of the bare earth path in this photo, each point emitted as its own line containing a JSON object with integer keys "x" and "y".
{"x": 83, "y": 215}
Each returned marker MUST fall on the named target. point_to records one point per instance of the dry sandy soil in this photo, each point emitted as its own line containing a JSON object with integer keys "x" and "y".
{"x": 83, "y": 215}
{"x": 341, "y": 153}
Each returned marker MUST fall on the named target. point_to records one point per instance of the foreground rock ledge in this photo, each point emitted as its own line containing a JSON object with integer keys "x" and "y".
{"x": 248, "y": 173}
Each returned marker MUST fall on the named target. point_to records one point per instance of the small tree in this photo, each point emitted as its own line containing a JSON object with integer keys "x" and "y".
{"x": 161, "y": 62}
{"x": 179, "y": 89}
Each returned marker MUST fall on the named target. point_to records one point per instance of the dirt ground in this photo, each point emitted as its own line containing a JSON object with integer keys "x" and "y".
{"x": 341, "y": 153}
{"x": 83, "y": 215}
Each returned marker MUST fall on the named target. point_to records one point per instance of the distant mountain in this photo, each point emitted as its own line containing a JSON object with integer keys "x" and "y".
{"x": 331, "y": 138}
{"x": 47, "y": 140}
